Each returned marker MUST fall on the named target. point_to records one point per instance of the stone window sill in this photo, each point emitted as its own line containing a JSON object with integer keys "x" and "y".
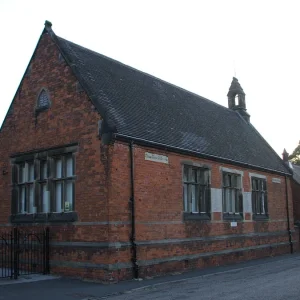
{"x": 260, "y": 217}
{"x": 44, "y": 217}
{"x": 196, "y": 216}
{"x": 232, "y": 217}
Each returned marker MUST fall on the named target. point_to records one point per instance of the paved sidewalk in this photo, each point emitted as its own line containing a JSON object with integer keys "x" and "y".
{"x": 27, "y": 279}
{"x": 66, "y": 289}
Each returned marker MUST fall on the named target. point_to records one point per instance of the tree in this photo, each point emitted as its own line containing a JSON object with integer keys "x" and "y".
{"x": 295, "y": 156}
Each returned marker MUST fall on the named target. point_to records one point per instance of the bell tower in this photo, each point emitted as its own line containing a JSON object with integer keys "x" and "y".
{"x": 236, "y": 99}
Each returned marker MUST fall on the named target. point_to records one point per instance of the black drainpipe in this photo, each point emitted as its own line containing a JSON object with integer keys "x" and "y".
{"x": 132, "y": 238}
{"x": 288, "y": 216}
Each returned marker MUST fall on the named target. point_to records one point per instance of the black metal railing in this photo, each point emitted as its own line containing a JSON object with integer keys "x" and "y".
{"x": 24, "y": 252}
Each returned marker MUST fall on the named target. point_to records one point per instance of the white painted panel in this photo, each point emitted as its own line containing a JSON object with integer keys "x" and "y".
{"x": 216, "y": 200}
{"x": 247, "y": 202}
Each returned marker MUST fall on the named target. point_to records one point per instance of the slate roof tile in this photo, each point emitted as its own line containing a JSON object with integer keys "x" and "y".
{"x": 142, "y": 106}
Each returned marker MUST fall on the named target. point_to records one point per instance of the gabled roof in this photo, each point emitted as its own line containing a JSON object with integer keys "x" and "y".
{"x": 140, "y": 106}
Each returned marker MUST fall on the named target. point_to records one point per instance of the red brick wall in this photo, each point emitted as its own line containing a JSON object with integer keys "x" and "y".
{"x": 98, "y": 244}
{"x": 161, "y": 233}
{"x": 158, "y": 195}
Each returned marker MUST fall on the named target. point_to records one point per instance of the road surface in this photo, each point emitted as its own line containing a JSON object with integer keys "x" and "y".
{"x": 275, "y": 278}
{"x": 275, "y": 281}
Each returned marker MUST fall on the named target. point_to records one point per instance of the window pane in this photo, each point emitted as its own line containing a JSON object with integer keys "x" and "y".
{"x": 266, "y": 203}
{"x": 30, "y": 172}
{"x": 262, "y": 203}
{"x": 58, "y": 168}
{"x": 185, "y": 173}
{"x": 206, "y": 177}
{"x": 58, "y": 196}
{"x": 44, "y": 170}
{"x": 238, "y": 182}
{"x": 226, "y": 180}
{"x": 194, "y": 175}
{"x": 257, "y": 203}
{"x": 202, "y": 199}
{"x": 234, "y": 181}
{"x": 45, "y": 197}
{"x": 69, "y": 163}
{"x": 199, "y": 176}
{"x": 185, "y": 198}
{"x": 229, "y": 200}
{"x": 233, "y": 200}
{"x": 202, "y": 177}
{"x": 22, "y": 173}
{"x": 194, "y": 201}
{"x": 254, "y": 201}
{"x": 69, "y": 196}
{"x": 254, "y": 184}
{"x": 226, "y": 200}
{"x": 31, "y": 208}
{"x": 264, "y": 187}
{"x": 22, "y": 200}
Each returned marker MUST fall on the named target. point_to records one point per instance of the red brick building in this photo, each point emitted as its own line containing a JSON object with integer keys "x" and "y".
{"x": 133, "y": 175}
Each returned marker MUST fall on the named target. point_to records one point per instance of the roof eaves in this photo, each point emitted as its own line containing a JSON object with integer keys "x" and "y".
{"x": 152, "y": 144}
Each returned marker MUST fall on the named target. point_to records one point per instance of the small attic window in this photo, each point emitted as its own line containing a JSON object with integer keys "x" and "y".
{"x": 43, "y": 101}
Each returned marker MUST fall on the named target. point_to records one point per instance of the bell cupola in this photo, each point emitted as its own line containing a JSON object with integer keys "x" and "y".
{"x": 236, "y": 99}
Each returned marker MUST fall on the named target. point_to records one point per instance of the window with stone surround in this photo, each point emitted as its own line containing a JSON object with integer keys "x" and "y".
{"x": 196, "y": 192}
{"x": 44, "y": 184}
{"x": 259, "y": 198}
{"x": 232, "y": 196}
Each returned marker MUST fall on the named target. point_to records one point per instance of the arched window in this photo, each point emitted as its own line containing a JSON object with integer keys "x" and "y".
{"x": 236, "y": 100}
{"x": 43, "y": 100}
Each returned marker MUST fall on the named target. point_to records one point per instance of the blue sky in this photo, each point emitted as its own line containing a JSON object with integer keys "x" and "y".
{"x": 197, "y": 45}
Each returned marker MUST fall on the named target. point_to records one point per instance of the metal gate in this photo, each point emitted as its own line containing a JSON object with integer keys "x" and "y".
{"x": 24, "y": 252}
